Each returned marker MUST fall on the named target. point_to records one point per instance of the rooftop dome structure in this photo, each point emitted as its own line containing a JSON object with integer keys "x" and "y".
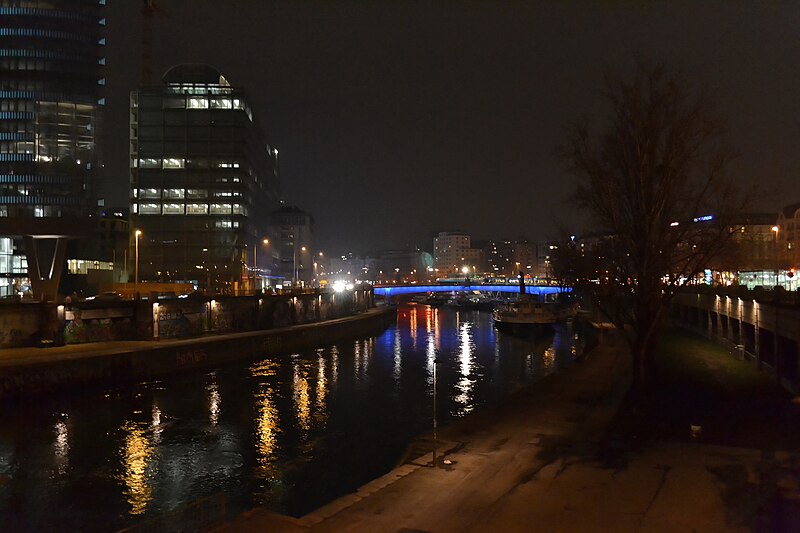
{"x": 194, "y": 73}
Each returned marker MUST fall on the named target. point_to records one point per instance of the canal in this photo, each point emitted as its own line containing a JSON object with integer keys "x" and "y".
{"x": 290, "y": 432}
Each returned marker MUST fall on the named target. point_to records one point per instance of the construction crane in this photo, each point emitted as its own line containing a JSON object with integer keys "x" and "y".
{"x": 149, "y": 9}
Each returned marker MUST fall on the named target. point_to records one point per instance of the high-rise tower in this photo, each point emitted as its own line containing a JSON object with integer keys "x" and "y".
{"x": 51, "y": 61}
{"x": 203, "y": 181}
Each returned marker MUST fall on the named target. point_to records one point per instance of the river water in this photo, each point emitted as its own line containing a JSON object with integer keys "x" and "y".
{"x": 291, "y": 432}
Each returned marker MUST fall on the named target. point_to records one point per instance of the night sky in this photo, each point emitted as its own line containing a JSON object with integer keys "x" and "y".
{"x": 397, "y": 120}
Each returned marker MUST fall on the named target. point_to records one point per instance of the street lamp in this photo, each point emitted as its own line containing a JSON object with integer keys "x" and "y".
{"x": 137, "y": 234}
{"x": 294, "y": 262}
{"x": 255, "y": 264}
{"x": 776, "y": 229}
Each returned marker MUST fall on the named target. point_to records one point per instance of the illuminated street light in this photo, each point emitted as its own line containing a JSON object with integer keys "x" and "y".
{"x": 776, "y": 229}
{"x": 137, "y": 233}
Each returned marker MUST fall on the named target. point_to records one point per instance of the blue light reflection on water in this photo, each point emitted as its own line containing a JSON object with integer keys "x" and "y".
{"x": 291, "y": 432}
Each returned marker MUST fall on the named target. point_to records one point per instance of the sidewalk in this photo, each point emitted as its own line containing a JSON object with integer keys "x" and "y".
{"x": 532, "y": 465}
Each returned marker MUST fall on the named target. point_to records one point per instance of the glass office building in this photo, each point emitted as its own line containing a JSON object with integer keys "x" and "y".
{"x": 51, "y": 61}
{"x": 203, "y": 181}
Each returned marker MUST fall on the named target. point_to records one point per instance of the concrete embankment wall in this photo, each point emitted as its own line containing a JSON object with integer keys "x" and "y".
{"x": 765, "y": 332}
{"x": 150, "y": 360}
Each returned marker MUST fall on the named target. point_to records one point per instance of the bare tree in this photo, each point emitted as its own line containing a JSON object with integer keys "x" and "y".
{"x": 653, "y": 182}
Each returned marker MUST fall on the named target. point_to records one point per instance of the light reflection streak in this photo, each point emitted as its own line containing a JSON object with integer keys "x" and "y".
{"x": 267, "y": 421}
{"x": 322, "y": 387}
{"x": 465, "y": 384}
{"x": 397, "y": 357}
{"x": 137, "y": 452}
{"x": 61, "y": 447}
{"x": 267, "y": 428}
{"x": 412, "y": 326}
{"x": 156, "y": 423}
{"x": 301, "y": 398}
{"x": 549, "y": 357}
{"x": 430, "y": 356}
{"x": 334, "y": 364}
{"x": 357, "y": 359}
{"x": 213, "y": 403}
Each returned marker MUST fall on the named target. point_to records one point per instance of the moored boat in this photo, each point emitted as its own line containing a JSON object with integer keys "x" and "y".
{"x": 529, "y": 314}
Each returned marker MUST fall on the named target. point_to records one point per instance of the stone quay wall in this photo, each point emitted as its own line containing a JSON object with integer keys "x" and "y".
{"x": 45, "y": 324}
{"x": 760, "y": 326}
{"x": 112, "y": 365}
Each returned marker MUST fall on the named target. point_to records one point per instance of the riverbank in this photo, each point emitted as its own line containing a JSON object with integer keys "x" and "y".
{"x": 25, "y": 371}
{"x": 543, "y": 461}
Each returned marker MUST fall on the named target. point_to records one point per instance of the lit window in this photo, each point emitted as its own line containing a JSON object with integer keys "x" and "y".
{"x": 221, "y": 103}
{"x": 149, "y": 163}
{"x": 220, "y": 209}
{"x": 174, "y": 163}
{"x": 238, "y": 104}
{"x": 149, "y": 193}
{"x": 173, "y": 193}
{"x": 196, "y": 193}
{"x": 238, "y": 209}
{"x": 150, "y": 209}
{"x": 38, "y": 211}
{"x": 198, "y": 103}
{"x": 173, "y": 209}
{"x": 196, "y": 209}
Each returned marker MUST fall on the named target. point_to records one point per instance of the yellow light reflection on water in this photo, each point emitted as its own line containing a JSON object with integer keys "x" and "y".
{"x": 267, "y": 428}
{"x": 301, "y": 398}
{"x": 267, "y": 423}
{"x": 412, "y": 326}
{"x": 137, "y": 452}
{"x": 322, "y": 388}
{"x": 549, "y": 357}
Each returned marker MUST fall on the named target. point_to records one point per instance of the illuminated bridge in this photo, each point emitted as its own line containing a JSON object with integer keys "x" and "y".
{"x": 394, "y": 290}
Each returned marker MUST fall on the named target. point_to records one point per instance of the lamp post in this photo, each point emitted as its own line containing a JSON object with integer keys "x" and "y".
{"x": 137, "y": 234}
{"x": 775, "y": 353}
{"x": 294, "y": 262}
{"x": 776, "y": 229}
{"x": 255, "y": 262}
{"x": 435, "y": 362}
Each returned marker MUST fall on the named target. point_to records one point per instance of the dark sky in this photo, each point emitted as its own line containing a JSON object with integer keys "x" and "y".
{"x": 396, "y": 120}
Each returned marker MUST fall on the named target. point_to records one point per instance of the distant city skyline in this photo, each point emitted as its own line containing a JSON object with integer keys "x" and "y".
{"x": 395, "y": 121}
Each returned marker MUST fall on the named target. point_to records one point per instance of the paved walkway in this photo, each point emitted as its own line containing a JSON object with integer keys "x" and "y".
{"x": 532, "y": 465}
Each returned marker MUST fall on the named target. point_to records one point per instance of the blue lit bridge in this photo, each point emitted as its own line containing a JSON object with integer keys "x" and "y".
{"x": 395, "y": 290}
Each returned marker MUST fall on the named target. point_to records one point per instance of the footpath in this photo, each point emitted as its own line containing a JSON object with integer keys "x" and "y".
{"x": 541, "y": 462}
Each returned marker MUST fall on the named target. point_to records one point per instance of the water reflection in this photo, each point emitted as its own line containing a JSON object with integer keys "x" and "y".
{"x": 61, "y": 447}
{"x": 213, "y": 403}
{"x": 465, "y": 358}
{"x": 295, "y": 432}
{"x": 322, "y": 387}
{"x": 137, "y": 452}
{"x": 301, "y": 396}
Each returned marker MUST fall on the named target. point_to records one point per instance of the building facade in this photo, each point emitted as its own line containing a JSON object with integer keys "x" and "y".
{"x": 788, "y": 236}
{"x": 292, "y": 230}
{"x": 203, "y": 182}
{"x": 51, "y": 80}
{"x": 453, "y": 252}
